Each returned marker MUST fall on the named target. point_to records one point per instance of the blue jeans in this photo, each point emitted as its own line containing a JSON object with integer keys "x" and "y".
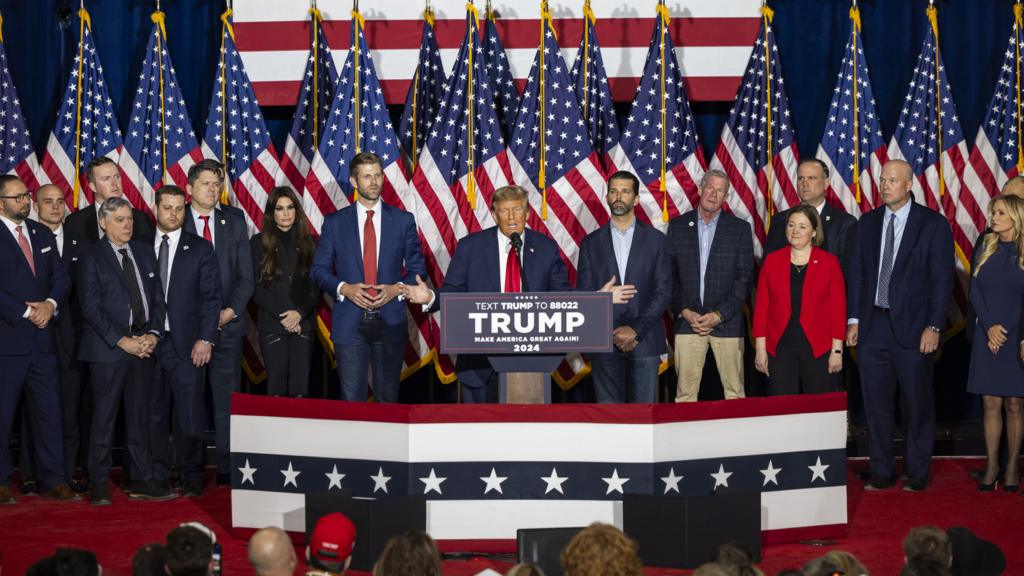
{"x": 618, "y": 376}
{"x": 371, "y": 347}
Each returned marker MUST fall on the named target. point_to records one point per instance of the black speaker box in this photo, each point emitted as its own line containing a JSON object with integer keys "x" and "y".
{"x": 543, "y": 547}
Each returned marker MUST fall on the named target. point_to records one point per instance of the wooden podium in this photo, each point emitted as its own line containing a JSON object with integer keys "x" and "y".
{"x": 525, "y": 335}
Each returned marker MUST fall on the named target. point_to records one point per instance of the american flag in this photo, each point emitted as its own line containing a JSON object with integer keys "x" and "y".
{"x": 929, "y": 137}
{"x": 758, "y": 149}
{"x": 424, "y": 94}
{"x": 506, "y": 93}
{"x": 997, "y": 155}
{"x": 236, "y": 134}
{"x": 358, "y": 121}
{"x": 17, "y": 156}
{"x": 159, "y": 144}
{"x": 712, "y": 38}
{"x": 591, "y": 82}
{"x": 650, "y": 147}
{"x": 319, "y": 82}
{"x": 86, "y": 126}
{"x": 551, "y": 157}
{"x": 463, "y": 162}
{"x": 854, "y": 162}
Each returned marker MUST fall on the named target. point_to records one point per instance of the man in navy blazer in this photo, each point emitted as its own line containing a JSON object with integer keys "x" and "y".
{"x": 34, "y": 289}
{"x": 104, "y": 179}
{"x": 898, "y": 291}
{"x": 712, "y": 256}
{"x": 123, "y": 309}
{"x": 637, "y": 254}
{"x": 224, "y": 227}
{"x": 190, "y": 279}
{"x": 367, "y": 251}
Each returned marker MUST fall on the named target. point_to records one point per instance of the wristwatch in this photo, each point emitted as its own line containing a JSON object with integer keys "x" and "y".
{"x": 933, "y": 329}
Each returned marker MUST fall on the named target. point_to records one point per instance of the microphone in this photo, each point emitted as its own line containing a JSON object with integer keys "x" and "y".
{"x": 517, "y": 242}
{"x": 517, "y": 245}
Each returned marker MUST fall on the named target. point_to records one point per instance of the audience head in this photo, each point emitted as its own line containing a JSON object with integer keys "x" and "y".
{"x": 149, "y": 560}
{"x": 50, "y": 205}
{"x": 601, "y": 549}
{"x": 821, "y": 567}
{"x": 811, "y": 181}
{"x": 737, "y": 558}
{"x": 714, "y": 569}
{"x": 525, "y": 570}
{"x": 205, "y": 184}
{"x": 410, "y": 554}
{"x": 924, "y": 565}
{"x": 1014, "y": 187}
{"x": 331, "y": 543}
{"x": 973, "y": 556}
{"x": 104, "y": 178}
{"x": 66, "y": 562}
{"x": 189, "y": 550}
{"x": 847, "y": 562}
{"x": 927, "y": 540}
{"x": 271, "y": 553}
{"x": 714, "y": 187}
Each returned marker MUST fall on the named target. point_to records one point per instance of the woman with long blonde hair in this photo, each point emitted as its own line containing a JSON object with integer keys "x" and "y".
{"x": 997, "y": 369}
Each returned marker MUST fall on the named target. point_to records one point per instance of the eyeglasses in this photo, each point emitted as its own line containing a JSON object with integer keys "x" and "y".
{"x": 24, "y": 196}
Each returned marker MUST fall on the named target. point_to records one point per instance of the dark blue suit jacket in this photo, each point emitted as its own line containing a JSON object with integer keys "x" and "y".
{"x": 193, "y": 294}
{"x": 68, "y": 324}
{"x": 18, "y": 336}
{"x": 922, "y": 275}
{"x": 648, "y": 268}
{"x": 105, "y": 300}
{"x": 474, "y": 268}
{"x": 339, "y": 259}
{"x": 727, "y": 278}
{"x": 231, "y": 246}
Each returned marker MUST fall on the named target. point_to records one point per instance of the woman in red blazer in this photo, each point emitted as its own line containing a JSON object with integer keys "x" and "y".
{"x": 800, "y": 312}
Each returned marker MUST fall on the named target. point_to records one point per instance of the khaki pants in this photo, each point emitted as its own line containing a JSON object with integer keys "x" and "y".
{"x": 692, "y": 350}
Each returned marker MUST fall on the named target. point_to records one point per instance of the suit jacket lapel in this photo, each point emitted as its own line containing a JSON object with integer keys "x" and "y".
{"x": 490, "y": 263}
{"x": 14, "y": 248}
{"x": 634, "y": 251}
{"x": 92, "y": 224}
{"x": 351, "y": 223}
{"x": 910, "y": 233}
{"x": 190, "y": 223}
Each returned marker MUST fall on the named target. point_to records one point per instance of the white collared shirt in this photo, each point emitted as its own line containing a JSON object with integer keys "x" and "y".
{"x": 200, "y": 224}
{"x": 504, "y": 247}
{"x": 173, "y": 238}
{"x": 59, "y": 235}
{"x": 360, "y": 224}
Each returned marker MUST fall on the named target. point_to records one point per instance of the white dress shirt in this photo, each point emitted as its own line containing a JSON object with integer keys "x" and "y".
{"x": 504, "y": 247}
{"x": 172, "y": 247}
{"x": 200, "y": 224}
{"x": 361, "y": 212}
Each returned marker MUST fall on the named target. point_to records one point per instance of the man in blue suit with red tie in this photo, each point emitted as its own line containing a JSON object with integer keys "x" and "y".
{"x": 637, "y": 254}
{"x": 898, "y": 290}
{"x": 367, "y": 251}
{"x": 35, "y": 287}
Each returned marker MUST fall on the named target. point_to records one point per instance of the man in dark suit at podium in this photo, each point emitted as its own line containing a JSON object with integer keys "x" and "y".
{"x": 105, "y": 181}
{"x": 637, "y": 254}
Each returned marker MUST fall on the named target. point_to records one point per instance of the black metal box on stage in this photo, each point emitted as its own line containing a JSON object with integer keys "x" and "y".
{"x": 543, "y": 547}
{"x": 684, "y": 532}
{"x": 376, "y": 520}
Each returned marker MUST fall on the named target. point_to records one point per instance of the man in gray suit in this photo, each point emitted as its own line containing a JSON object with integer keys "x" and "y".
{"x": 712, "y": 256}
{"x": 224, "y": 227}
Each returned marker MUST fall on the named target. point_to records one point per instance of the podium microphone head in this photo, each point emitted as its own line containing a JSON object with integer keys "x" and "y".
{"x": 517, "y": 241}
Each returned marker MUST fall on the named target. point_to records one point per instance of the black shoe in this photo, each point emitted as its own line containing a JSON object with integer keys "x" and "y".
{"x": 913, "y": 485}
{"x": 876, "y": 483}
{"x": 29, "y": 488}
{"x": 223, "y": 479}
{"x": 989, "y": 487}
{"x": 79, "y": 486}
{"x": 99, "y": 498}
{"x": 150, "y": 491}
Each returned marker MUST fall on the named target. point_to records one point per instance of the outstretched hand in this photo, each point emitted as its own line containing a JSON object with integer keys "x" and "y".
{"x": 620, "y": 294}
{"x": 418, "y": 294}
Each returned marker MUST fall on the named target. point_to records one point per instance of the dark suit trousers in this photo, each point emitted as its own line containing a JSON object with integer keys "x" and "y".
{"x": 886, "y": 368}
{"x": 176, "y": 397}
{"x": 36, "y": 374}
{"x": 129, "y": 378}
{"x": 225, "y": 375}
{"x": 287, "y": 358}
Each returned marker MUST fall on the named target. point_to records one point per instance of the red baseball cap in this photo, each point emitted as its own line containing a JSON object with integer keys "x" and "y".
{"x": 333, "y": 538}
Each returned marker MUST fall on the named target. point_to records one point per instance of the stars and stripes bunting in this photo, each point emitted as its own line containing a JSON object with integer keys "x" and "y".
{"x": 852, "y": 144}
{"x": 758, "y": 148}
{"x": 86, "y": 126}
{"x": 591, "y": 82}
{"x": 424, "y": 94}
{"x": 159, "y": 145}
{"x": 17, "y": 156}
{"x": 659, "y": 141}
{"x": 506, "y": 93}
{"x": 319, "y": 82}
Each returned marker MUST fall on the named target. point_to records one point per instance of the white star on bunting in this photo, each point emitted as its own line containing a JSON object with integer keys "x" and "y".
{"x": 291, "y": 476}
{"x": 432, "y": 482}
{"x": 614, "y": 482}
{"x": 334, "y": 478}
{"x": 672, "y": 481}
{"x": 771, "y": 474}
{"x": 721, "y": 477}
{"x": 493, "y": 482}
{"x": 248, "y": 473}
{"x": 818, "y": 470}
{"x": 554, "y": 481}
{"x": 380, "y": 481}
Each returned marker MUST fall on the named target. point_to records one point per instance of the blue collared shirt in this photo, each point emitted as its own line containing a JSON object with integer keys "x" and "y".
{"x": 899, "y": 225}
{"x": 622, "y": 242}
{"x": 705, "y": 237}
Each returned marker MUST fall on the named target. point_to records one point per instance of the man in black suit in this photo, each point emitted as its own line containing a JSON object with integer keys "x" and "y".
{"x": 712, "y": 256}
{"x": 105, "y": 182}
{"x": 224, "y": 227}
{"x": 636, "y": 254}
{"x": 123, "y": 308}
{"x": 840, "y": 227}
{"x": 898, "y": 291}
{"x": 67, "y": 328}
{"x": 34, "y": 290}
{"x": 190, "y": 279}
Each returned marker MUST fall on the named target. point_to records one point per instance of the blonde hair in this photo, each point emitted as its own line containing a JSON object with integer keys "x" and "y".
{"x": 599, "y": 550}
{"x": 846, "y": 562}
{"x": 507, "y": 193}
{"x": 1014, "y": 207}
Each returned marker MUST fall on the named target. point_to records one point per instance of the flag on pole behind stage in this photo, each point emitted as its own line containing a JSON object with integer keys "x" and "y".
{"x": 591, "y": 82}
{"x": 424, "y": 94}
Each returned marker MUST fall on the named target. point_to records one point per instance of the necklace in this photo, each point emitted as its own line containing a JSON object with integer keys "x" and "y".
{"x": 800, "y": 268}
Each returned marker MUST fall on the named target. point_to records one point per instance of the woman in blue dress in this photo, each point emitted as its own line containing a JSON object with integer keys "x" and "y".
{"x": 997, "y": 366}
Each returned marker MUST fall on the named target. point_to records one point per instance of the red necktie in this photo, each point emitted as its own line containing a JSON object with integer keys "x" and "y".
{"x": 26, "y": 250}
{"x": 206, "y": 229}
{"x": 512, "y": 271}
{"x": 369, "y": 253}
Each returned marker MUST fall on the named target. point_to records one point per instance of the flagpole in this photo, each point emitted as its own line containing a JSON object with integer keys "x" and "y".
{"x": 855, "y": 22}
{"x": 663, "y": 15}
{"x": 933, "y": 19}
{"x": 428, "y": 19}
{"x": 83, "y": 19}
{"x": 161, "y": 38}
{"x": 541, "y": 176}
{"x": 357, "y": 21}
{"x": 588, "y": 18}
{"x": 470, "y": 141}
{"x": 766, "y": 16}
{"x": 1018, "y": 15}
{"x": 225, "y": 30}
{"x": 314, "y": 19}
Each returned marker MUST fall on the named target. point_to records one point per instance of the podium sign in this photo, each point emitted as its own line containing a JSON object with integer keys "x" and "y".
{"x": 526, "y": 323}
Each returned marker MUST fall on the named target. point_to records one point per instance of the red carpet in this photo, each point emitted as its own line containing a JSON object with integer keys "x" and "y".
{"x": 33, "y": 528}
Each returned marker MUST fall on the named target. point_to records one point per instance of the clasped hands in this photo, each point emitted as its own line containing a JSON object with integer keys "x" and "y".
{"x": 997, "y": 338}
{"x": 421, "y": 293}
{"x": 140, "y": 346}
{"x": 40, "y": 313}
{"x": 702, "y": 324}
{"x": 359, "y": 294}
{"x": 929, "y": 339}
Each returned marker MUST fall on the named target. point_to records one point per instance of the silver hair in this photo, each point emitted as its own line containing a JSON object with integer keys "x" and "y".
{"x": 111, "y": 205}
{"x": 712, "y": 173}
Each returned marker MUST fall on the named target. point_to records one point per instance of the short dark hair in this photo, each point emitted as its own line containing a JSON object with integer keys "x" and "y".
{"x": 205, "y": 165}
{"x": 6, "y": 179}
{"x": 410, "y": 554}
{"x": 66, "y": 562}
{"x": 364, "y": 158}
{"x": 927, "y": 540}
{"x": 96, "y": 163}
{"x": 821, "y": 164}
{"x": 924, "y": 565}
{"x": 167, "y": 190}
{"x": 626, "y": 175}
{"x": 189, "y": 552}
